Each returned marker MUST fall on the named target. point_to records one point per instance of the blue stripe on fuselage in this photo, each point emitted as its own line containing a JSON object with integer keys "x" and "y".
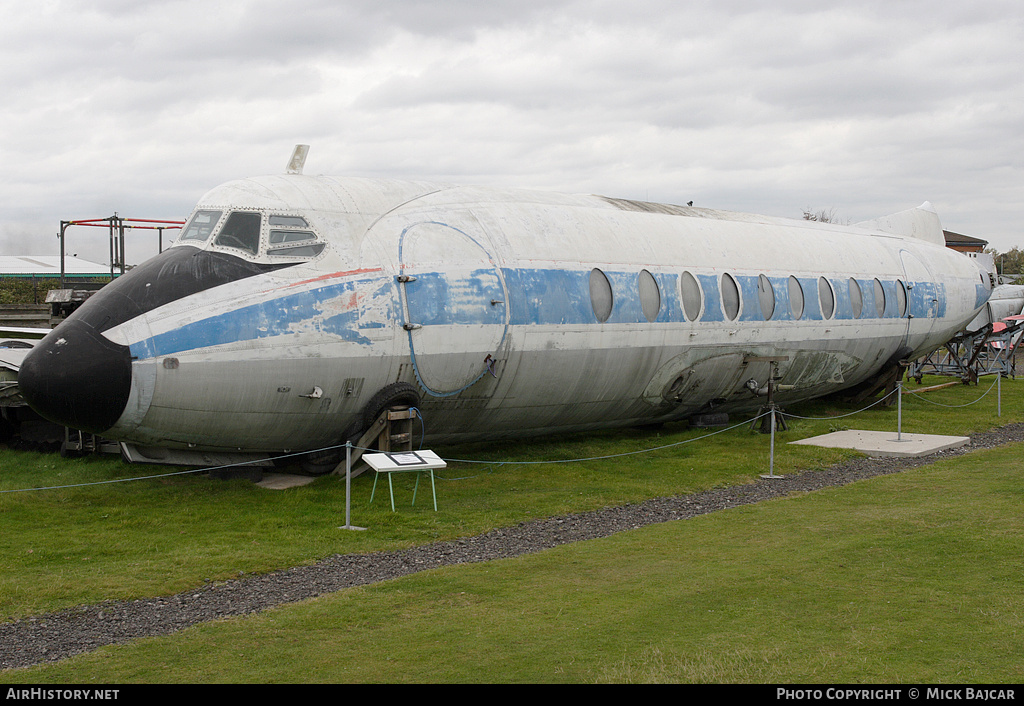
{"x": 330, "y": 309}
{"x": 536, "y": 297}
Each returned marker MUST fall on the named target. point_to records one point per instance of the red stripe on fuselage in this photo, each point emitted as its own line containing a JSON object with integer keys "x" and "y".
{"x": 363, "y": 271}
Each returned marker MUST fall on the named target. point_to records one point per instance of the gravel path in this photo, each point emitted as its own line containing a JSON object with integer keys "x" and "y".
{"x": 55, "y": 636}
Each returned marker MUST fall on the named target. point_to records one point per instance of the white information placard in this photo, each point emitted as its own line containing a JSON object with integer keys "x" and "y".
{"x": 404, "y": 461}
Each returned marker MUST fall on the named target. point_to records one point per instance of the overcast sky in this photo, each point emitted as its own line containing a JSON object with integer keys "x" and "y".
{"x": 864, "y": 108}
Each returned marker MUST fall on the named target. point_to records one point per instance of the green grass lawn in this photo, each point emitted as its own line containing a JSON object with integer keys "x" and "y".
{"x": 914, "y": 577}
{"x": 908, "y": 578}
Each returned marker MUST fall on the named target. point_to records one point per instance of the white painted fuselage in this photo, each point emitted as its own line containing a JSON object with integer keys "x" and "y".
{"x": 517, "y": 312}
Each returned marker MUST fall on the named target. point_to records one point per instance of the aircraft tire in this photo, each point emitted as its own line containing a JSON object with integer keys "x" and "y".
{"x": 397, "y": 394}
{"x": 319, "y": 469}
{"x": 321, "y": 463}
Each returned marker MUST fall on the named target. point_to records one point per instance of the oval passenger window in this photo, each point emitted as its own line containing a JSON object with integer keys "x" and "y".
{"x": 856, "y": 298}
{"x": 796, "y": 298}
{"x": 601, "y": 298}
{"x": 826, "y": 297}
{"x": 650, "y": 295}
{"x": 693, "y": 299}
{"x": 730, "y": 297}
{"x": 766, "y": 294}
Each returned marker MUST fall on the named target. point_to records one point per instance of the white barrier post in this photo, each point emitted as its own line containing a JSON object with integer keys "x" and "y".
{"x": 348, "y": 489}
{"x": 899, "y": 410}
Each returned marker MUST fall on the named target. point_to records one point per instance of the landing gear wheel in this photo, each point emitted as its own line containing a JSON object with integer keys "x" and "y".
{"x": 398, "y": 394}
{"x": 327, "y": 464}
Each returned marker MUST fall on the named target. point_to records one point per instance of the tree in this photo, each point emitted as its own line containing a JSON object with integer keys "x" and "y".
{"x": 822, "y": 215}
{"x": 1009, "y": 263}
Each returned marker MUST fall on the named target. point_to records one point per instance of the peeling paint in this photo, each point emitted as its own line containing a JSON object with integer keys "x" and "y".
{"x": 482, "y": 298}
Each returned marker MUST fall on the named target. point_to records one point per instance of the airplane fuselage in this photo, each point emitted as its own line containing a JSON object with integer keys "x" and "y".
{"x": 290, "y": 301}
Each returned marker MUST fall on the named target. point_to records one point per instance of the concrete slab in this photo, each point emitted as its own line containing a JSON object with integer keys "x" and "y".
{"x": 884, "y": 443}
{"x": 282, "y": 481}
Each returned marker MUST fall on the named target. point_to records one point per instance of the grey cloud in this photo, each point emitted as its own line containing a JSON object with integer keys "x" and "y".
{"x": 862, "y": 106}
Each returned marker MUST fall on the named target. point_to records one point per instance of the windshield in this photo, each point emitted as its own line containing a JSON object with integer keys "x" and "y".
{"x": 242, "y": 231}
{"x": 201, "y": 225}
{"x": 287, "y": 237}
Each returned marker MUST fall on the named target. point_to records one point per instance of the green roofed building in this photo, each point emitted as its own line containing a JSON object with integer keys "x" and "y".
{"x": 49, "y": 266}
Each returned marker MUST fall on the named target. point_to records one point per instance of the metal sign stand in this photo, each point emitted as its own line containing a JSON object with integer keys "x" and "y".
{"x": 771, "y": 408}
{"x": 422, "y": 461}
{"x": 771, "y": 452}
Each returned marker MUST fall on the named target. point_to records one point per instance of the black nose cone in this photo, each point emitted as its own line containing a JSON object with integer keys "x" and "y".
{"x": 77, "y": 377}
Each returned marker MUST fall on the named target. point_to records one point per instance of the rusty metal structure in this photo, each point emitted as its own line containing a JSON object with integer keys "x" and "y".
{"x": 970, "y": 356}
{"x": 116, "y": 225}
{"x": 987, "y": 345}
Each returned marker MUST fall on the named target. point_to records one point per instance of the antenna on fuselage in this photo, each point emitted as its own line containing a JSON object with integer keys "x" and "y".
{"x": 298, "y": 160}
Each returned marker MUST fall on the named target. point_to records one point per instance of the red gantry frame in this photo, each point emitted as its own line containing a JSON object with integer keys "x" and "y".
{"x": 117, "y": 227}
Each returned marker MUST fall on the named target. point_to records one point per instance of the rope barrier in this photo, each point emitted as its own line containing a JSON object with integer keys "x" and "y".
{"x": 158, "y": 475}
{"x": 609, "y": 456}
{"x": 840, "y": 416}
{"x": 107, "y": 482}
{"x": 957, "y": 406}
{"x": 499, "y": 463}
{"x": 341, "y": 446}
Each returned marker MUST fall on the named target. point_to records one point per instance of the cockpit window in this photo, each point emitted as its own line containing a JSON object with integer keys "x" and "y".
{"x": 290, "y": 236}
{"x": 201, "y": 225}
{"x": 311, "y": 250}
{"x": 289, "y": 221}
{"x": 287, "y": 240}
{"x": 242, "y": 231}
